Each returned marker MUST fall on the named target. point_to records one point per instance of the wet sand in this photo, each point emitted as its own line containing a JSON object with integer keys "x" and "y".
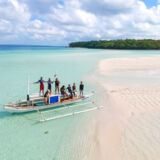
{"x": 129, "y": 126}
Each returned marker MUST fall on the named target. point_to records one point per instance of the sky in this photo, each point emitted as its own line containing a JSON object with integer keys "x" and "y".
{"x": 59, "y": 22}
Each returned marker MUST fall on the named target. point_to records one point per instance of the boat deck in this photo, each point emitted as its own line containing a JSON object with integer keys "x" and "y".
{"x": 20, "y": 107}
{"x": 66, "y": 101}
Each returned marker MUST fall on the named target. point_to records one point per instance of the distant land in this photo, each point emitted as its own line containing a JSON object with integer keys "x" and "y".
{"x": 143, "y": 44}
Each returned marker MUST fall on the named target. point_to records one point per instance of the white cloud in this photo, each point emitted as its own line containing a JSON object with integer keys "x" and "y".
{"x": 14, "y": 11}
{"x": 44, "y": 31}
{"x": 108, "y": 7}
{"x": 49, "y": 20}
{"x": 5, "y": 27}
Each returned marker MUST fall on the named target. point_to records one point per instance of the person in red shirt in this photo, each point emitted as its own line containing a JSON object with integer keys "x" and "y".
{"x": 41, "y": 81}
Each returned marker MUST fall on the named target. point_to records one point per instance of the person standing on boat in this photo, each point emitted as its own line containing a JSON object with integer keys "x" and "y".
{"x": 81, "y": 88}
{"x": 41, "y": 81}
{"x": 50, "y": 85}
{"x": 57, "y": 83}
{"x": 74, "y": 89}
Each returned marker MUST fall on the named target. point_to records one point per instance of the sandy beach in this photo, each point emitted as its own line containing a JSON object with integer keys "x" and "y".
{"x": 128, "y": 127}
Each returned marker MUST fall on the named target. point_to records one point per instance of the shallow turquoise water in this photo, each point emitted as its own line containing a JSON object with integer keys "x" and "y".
{"x": 21, "y": 137}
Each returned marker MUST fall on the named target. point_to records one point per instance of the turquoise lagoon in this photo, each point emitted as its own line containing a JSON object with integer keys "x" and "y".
{"x": 21, "y": 136}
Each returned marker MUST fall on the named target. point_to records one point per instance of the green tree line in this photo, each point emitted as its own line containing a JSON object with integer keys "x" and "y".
{"x": 119, "y": 44}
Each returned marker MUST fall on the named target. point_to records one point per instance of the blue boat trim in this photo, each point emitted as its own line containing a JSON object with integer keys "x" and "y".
{"x": 85, "y": 98}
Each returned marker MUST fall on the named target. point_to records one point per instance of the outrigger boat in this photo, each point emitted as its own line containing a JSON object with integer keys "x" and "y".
{"x": 36, "y": 103}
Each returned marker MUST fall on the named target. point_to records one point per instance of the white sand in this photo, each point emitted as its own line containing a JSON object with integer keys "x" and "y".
{"x": 113, "y": 65}
{"x": 129, "y": 126}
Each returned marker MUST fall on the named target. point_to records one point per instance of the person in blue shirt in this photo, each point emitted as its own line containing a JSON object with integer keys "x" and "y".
{"x": 49, "y": 82}
{"x": 70, "y": 91}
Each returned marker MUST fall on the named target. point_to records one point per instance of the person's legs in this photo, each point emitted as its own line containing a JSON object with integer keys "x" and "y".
{"x": 71, "y": 95}
{"x": 55, "y": 89}
{"x": 46, "y": 100}
{"x": 58, "y": 89}
{"x": 66, "y": 94}
{"x": 43, "y": 90}
{"x": 50, "y": 90}
{"x": 81, "y": 93}
{"x": 40, "y": 91}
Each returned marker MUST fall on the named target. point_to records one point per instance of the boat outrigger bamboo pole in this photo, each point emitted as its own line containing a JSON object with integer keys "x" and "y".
{"x": 71, "y": 114}
{"x": 65, "y": 106}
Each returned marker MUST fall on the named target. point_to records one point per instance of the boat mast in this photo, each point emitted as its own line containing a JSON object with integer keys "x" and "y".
{"x": 28, "y": 93}
{"x": 28, "y": 85}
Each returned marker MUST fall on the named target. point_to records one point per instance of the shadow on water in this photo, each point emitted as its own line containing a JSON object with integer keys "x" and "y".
{"x": 35, "y": 116}
{"x": 32, "y": 120}
{"x": 28, "y": 117}
{"x": 4, "y": 114}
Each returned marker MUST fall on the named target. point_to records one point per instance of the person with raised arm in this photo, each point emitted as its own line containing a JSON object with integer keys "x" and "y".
{"x": 41, "y": 82}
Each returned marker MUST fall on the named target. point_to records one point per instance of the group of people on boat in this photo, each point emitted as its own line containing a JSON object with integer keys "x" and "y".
{"x": 71, "y": 90}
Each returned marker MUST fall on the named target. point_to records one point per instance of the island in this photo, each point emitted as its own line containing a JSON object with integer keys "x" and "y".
{"x": 142, "y": 44}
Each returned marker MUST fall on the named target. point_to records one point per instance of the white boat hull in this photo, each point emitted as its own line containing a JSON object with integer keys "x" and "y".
{"x": 12, "y": 109}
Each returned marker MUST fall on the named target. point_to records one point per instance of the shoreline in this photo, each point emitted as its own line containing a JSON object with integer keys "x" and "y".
{"x": 117, "y": 49}
{"x": 117, "y": 126}
{"x": 134, "y": 44}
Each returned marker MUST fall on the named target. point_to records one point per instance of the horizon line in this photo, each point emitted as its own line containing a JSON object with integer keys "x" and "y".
{"x": 34, "y": 45}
